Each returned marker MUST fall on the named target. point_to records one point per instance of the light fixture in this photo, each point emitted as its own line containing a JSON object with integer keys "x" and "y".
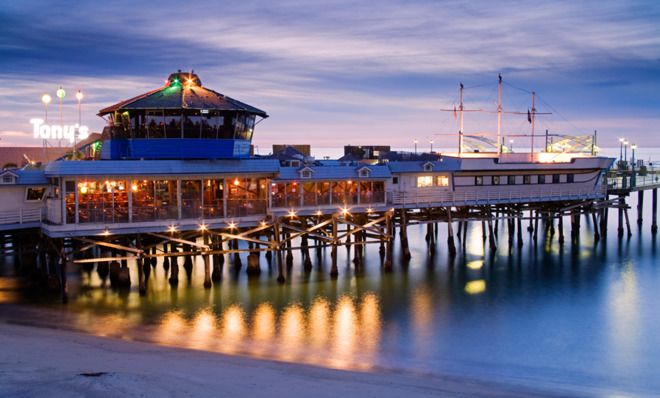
{"x": 236, "y": 182}
{"x": 60, "y": 93}
{"x": 292, "y": 213}
{"x": 172, "y": 228}
{"x": 344, "y": 210}
{"x": 232, "y": 225}
{"x": 106, "y": 232}
{"x": 370, "y": 210}
{"x": 134, "y": 187}
{"x": 264, "y": 223}
{"x": 46, "y": 99}
{"x": 319, "y": 213}
{"x": 203, "y": 227}
{"x": 79, "y": 95}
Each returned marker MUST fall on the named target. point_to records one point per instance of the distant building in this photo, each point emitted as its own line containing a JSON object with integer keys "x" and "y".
{"x": 304, "y": 149}
{"x": 364, "y": 152}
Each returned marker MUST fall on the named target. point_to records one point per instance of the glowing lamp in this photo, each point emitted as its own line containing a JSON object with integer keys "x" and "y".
{"x": 106, "y": 232}
{"x": 79, "y": 95}
{"x": 46, "y": 99}
{"x": 171, "y": 229}
{"x": 60, "y": 93}
{"x": 370, "y": 210}
{"x": 232, "y": 225}
{"x": 203, "y": 227}
{"x": 236, "y": 182}
{"x": 319, "y": 213}
{"x": 134, "y": 187}
{"x": 344, "y": 210}
{"x": 292, "y": 213}
{"x": 83, "y": 189}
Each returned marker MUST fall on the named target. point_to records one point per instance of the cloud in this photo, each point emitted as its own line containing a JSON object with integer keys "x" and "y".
{"x": 329, "y": 68}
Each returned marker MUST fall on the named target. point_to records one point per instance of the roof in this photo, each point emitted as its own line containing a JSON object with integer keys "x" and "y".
{"x": 334, "y": 172}
{"x": 27, "y": 176}
{"x": 178, "y": 93}
{"x": 162, "y": 167}
{"x": 416, "y": 166}
{"x": 15, "y": 155}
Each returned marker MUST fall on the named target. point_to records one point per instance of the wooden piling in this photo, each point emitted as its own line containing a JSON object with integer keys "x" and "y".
{"x": 621, "y": 203}
{"x": 640, "y": 206}
{"x": 334, "y": 271}
{"x": 654, "y": 211}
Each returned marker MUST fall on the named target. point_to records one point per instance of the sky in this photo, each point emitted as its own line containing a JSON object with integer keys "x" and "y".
{"x": 331, "y": 73}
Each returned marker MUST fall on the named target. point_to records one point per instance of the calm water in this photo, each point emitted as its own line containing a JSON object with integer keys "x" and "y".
{"x": 583, "y": 319}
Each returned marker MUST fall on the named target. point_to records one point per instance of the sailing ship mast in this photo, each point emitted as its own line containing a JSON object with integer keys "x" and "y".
{"x": 460, "y": 129}
{"x": 499, "y": 114}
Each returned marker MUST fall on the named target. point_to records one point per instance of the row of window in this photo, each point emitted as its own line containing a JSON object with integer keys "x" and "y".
{"x": 526, "y": 179}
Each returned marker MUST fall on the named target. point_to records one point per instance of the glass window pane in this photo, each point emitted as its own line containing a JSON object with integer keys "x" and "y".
{"x": 191, "y": 198}
{"x": 213, "y": 198}
{"x": 424, "y": 181}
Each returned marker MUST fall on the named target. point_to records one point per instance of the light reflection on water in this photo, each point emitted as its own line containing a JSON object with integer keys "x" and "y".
{"x": 343, "y": 336}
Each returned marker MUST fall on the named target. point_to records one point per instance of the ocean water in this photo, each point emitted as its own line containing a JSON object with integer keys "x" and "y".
{"x": 581, "y": 318}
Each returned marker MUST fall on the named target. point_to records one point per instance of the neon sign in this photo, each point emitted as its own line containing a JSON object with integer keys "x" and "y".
{"x": 59, "y": 132}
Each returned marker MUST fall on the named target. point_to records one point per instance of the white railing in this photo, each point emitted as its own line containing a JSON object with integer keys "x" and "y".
{"x": 488, "y": 197}
{"x": 22, "y": 216}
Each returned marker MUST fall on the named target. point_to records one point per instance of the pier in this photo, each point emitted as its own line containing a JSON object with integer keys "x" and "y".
{"x": 173, "y": 178}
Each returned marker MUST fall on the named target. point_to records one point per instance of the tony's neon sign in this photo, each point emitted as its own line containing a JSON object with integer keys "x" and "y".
{"x": 59, "y": 132}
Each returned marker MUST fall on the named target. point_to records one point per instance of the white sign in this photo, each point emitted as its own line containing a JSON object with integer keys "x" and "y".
{"x": 58, "y": 132}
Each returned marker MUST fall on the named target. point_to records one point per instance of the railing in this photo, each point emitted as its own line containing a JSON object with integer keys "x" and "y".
{"x": 628, "y": 180}
{"x": 22, "y": 216}
{"x": 488, "y": 197}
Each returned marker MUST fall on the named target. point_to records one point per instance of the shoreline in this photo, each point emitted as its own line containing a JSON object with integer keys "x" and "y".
{"x": 50, "y": 362}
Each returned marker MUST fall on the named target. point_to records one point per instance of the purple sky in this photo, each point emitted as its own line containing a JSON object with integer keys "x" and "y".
{"x": 338, "y": 72}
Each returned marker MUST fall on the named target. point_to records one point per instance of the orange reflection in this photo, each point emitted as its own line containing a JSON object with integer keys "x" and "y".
{"x": 204, "y": 330}
{"x": 344, "y": 332}
{"x": 292, "y": 329}
{"x": 233, "y": 328}
{"x": 319, "y": 322}
{"x": 172, "y": 329}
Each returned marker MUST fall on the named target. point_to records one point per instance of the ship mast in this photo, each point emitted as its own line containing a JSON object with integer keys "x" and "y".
{"x": 460, "y": 129}
{"x": 532, "y": 120}
{"x": 499, "y": 114}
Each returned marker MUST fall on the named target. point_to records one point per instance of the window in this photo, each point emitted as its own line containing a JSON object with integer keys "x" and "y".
{"x": 7, "y": 179}
{"x": 34, "y": 194}
{"x": 424, "y": 181}
{"x": 555, "y": 178}
{"x": 294, "y": 163}
{"x": 428, "y": 167}
{"x": 527, "y": 179}
{"x": 511, "y": 180}
{"x": 541, "y": 179}
{"x": 442, "y": 181}
{"x": 496, "y": 180}
{"x": 306, "y": 174}
{"x": 395, "y": 180}
{"x": 570, "y": 177}
{"x": 478, "y": 180}
{"x": 364, "y": 173}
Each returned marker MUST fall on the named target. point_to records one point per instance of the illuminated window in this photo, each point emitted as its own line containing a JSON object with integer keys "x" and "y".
{"x": 424, "y": 181}
{"x": 496, "y": 180}
{"x": 478, "y": 180}
{"x": 34, "y": 194}
{"x": 541, "y": 179}
{"x": 442, "y": 181}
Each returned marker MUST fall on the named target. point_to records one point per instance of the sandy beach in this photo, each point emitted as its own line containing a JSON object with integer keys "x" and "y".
{"x": 38, "y": 362}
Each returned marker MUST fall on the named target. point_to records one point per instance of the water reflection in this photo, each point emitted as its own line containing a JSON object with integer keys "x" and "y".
{"x": 345, "y": 335}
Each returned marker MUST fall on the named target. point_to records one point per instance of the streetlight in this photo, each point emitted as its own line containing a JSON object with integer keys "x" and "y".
{"x": 46, "y": 100}
{"x": 415, "y": 142}
{"x": 79, "y": 97}
{"x": 625, "y": 153}
{"x": 621, "y": 140}
{"x": 431, "y": 142}
{"x": 60, "y": 94}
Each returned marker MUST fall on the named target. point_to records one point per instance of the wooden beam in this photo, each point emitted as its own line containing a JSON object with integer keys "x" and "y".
{"x": 185, "y": 242}
{"x": 111, "y": 245}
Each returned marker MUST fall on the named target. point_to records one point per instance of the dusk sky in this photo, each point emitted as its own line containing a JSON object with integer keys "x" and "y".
{"x": 337, "y": 72}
